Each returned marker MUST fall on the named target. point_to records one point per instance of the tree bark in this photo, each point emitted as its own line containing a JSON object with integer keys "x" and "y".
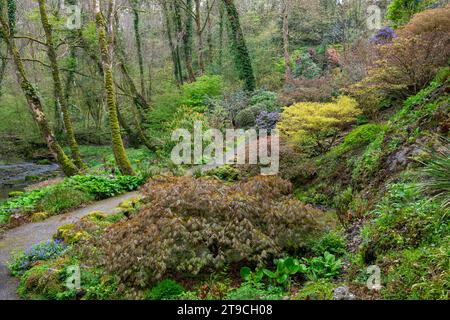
{"x": 287, "y": 58}
{"x": 60, "y": 98}
{"x": 137, "y": 36}
{"x": 35, "y": 104}
{"x": 199, "y": 30}
{"x": 120, "y": 154}
{"x": 173, "y": 51}
{"x": 240, "y": 50}
{"x": 187, "y": 40}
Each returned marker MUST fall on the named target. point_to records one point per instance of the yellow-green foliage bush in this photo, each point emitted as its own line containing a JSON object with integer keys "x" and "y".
{"x": 316, "y": 124}
{"x": 200, "y": 225}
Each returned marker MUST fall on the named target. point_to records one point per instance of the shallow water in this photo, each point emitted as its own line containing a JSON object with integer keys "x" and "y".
{"x": 17, "y": 176}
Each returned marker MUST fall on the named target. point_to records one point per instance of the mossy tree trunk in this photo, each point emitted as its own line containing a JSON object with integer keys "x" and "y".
{"x": 60, "y": 98}
{"x": 187, "y": 40}
{"x": 34, "y": 102}
{"x": 120, "y": 154}
{"x": 240, "y": 50}
{"x": 3, "y": 65}
{"x": 137, "y": 36}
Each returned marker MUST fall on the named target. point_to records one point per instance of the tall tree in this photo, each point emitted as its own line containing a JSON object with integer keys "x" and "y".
{"x": 60, "y": 98}
{"x": 199, "y": 30}
{"x": 240, "y": 50}
{"x": 105, "y": 44}
{"x": 187, "y": 40}
{"x": 137, "y": 36}
{"x": 173, "y": 48}
{"x": 3, "y": 65}
{"x": 287, "y": 59}
{"x": 7, "y": 28}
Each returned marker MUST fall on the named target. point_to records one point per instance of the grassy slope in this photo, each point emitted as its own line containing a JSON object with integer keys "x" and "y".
{"x": 373, "y": 178}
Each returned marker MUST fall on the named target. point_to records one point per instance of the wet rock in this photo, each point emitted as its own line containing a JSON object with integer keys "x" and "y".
{"x": 343, "y": 293}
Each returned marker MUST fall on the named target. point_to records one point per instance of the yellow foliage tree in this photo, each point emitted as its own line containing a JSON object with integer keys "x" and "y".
{"x": 315, "y": 125}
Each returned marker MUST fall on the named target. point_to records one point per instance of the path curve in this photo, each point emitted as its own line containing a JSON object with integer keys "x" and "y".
{"x": 25, "y": 236}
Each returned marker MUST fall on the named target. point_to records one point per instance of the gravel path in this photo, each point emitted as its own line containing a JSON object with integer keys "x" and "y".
{"x": 28, "y": 234}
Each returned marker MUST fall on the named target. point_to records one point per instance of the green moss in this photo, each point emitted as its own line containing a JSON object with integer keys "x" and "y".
{"x": 39, "y": 216}
{"x": 69, "y": 235}
{"x": 165, "y": 290}
{"x": 319, "y": 290}
{"x": 359, "y": 137}
{"x": 368, "y": 164}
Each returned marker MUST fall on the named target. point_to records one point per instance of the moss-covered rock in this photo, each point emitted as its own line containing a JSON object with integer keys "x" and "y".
{"x": 39, "y": 216}
{"x": 70, "y": 235}
{"x": 14, "y": 194}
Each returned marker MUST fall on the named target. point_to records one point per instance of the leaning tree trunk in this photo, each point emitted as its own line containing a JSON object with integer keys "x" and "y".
{"x": 240, "y": 50}
{"x": 120, "y": 154}
{"x": 60, "y": 98}
{"x": 34, "y": 102}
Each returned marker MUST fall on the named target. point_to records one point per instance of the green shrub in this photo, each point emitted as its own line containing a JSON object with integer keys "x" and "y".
{"x": 249, "y": 292}
{"x": 418, "y": 274}
{"x": 319, "y": 290}
{"x": 165, "y": 290}
{"x": 436, "y": 175}
{"x": 225, "y": 173}
{"x": 247, "y": 118}
{"x": 332, "y": 242}
{"x": 404, "y": 219}
{"x": 61, "y": 197}
{"x": 401, "y": 11}
{"x": 43, "y": 282}
{"x": 103, "y": 187}
{"x": 323, "y": 267}
{"x": 268, "y": 99}
{"x": 195, "y": 94}
{"x": 193, "y": 225}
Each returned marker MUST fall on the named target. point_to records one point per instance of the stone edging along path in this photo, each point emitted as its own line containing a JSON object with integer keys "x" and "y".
{"x": 26, "y": 235}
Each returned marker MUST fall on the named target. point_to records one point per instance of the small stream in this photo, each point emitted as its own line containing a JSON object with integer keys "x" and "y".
{"x": 17, "y": 176}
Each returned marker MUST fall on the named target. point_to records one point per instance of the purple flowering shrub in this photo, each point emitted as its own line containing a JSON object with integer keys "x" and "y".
{"x": 383, "y": 36}
{"x": 24, "y": 260}
{"x": 267, "y": 120}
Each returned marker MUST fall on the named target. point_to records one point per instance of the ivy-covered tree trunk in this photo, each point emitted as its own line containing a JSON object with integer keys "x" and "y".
{"x": 240, "y": 50}
{"x": 120, "y": 154}
{"x": 33, "y": 99}
{"x": 187, "y": 40}
{"x": 60, "y": 98}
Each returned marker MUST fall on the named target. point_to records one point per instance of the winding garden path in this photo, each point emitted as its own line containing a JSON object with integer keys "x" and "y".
{"x": 26, "y": 235}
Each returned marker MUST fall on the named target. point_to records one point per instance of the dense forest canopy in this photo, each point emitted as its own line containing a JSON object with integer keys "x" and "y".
{"x": 144, "y": 109}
